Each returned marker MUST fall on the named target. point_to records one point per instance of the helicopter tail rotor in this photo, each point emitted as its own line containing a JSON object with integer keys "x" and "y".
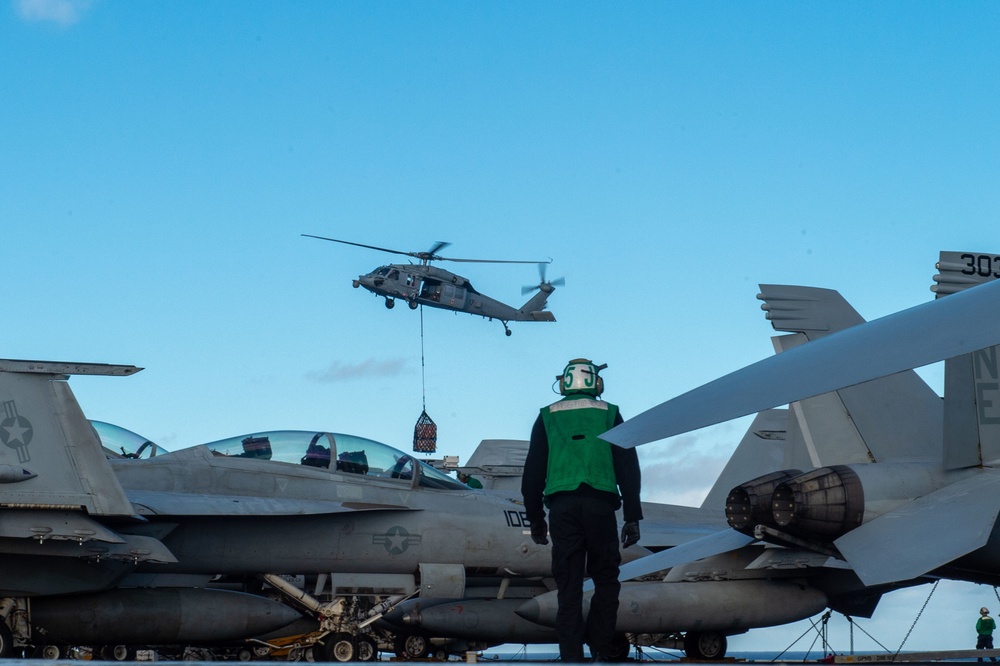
{"x": 544, "y": 285}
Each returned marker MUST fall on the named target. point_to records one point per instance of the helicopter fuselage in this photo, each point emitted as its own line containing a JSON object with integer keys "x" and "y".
{"x": 420, "y": 284}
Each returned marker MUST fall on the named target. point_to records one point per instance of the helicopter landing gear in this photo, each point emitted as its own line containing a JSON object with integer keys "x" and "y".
{"x": 390, "y": 303}
{"x": 412, "y": 303}
{"x": 506, "y": 329}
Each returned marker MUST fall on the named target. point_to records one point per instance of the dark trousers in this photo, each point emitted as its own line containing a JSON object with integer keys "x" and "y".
{"x": 985, "y": 642}
{"x": 584, "y": 534}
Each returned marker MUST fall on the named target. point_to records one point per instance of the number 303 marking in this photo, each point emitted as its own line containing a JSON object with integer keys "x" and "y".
{"x": 983, "y": 265}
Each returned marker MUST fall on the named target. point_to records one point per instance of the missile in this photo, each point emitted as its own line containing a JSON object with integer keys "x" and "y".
{"x": 158, "y": 616}
{"x": 729, "y": 606}
{"x": 489, "y": 620}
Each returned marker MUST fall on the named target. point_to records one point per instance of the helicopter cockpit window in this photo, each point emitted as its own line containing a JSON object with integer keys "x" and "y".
{"x": 393, "y": 274}
{"x": 121, "y": 443}
{"x": 337, "y": 452}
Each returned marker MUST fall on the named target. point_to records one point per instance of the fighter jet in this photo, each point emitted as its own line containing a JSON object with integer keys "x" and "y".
{"x": 64, "y": 518}
{"x": 845, "y": 427}
{"x": 697, "y": 605}
{"x": 157, "y": 525}
{"x": 372, "y": 524}
{"x": 899, "y": 516}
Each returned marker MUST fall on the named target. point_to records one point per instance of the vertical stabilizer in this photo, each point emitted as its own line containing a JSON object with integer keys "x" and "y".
{"x": 760, "y": 451}
{"x": 897, "y": 417}
{"x": 50, "y": 456}
{"x": 537, "y": 302}
{"x": 971, "y": 381}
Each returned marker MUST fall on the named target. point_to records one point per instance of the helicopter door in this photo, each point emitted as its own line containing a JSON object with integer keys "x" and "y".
{"x": 452, "y": 296}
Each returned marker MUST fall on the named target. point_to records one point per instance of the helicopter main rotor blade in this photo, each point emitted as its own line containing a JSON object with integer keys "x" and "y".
{"x": 494, "y": 261}
{"x": 429, "y": 255}
{"x": 370, "y": 247}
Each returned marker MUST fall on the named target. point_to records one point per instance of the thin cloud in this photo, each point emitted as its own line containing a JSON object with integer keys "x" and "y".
{"x": 340, "y": 372}
{"x": 63, "y": 12}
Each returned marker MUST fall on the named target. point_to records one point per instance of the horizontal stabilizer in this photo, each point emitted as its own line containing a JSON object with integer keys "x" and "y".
{"x": 155, "y": 503}
{"x": 669, "y": 525}
{"x": 714, "y": 544}
{"x": 926, "y": 533}
{"x": 809, "y": 310}
{"x": 66, "y": 369}
{"x": 542, "y": 315}
{"x": 909, "y": 339}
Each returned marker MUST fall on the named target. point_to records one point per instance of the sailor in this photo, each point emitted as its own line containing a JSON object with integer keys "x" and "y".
{"x": 578, "y": 477}
{"x": 984, "y": 629}
{"x": 470, "y": 480}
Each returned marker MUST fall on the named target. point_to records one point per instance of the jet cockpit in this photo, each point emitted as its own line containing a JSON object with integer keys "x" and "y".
{"x": 336, "y": 452}
{"x": 121, "y": 443}
{"x": 339, "y": 452}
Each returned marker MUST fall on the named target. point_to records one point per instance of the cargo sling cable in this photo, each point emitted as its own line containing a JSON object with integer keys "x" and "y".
{"x": 425, "y": 431}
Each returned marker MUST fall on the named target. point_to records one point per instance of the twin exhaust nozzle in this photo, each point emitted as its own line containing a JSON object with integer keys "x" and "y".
{"x": 823, "y": 504}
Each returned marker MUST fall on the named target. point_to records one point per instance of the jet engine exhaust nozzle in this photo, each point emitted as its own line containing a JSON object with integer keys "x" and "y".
{"x": 825, "y": 503}
{"x": 749, "y": 504}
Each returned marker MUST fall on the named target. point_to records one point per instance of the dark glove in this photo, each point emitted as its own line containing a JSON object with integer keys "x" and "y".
{"x": 630, "y": 534}
{"x": 540, "y": 532}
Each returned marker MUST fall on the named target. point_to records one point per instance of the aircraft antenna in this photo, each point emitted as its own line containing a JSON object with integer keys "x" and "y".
{"x": 425, "y": 431}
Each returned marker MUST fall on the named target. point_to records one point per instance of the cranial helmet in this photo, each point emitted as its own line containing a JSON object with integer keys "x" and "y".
{"x": 984, "y": 611}
{"x": 581, "y": 376}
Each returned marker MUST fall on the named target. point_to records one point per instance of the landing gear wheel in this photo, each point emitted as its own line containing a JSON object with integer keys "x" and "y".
{"x": 704, "y": 645}
{"x": 244, "y": 654}
{"x": 412, "y": 647}
{"x": 506, "y": 329}
{"x": 118, "y": 653}
{"x": 6, "y": 641}
{"x": 413, "y": 304}
{"x": 339, "y": 647}
{"x": 367, "y": 650}
{"x": 50, "y": 652}
{"x": 390, "y": 303}
{"x": 440, "y": 654}
{"x": 260, "y": 651}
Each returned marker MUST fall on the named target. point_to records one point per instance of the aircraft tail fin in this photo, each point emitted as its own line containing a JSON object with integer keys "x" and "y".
{"x": 972, "y": 381}
{"x": 51, "y": 457}
{"x": 760, "y": 451}
{"x": 891, "y": 418}
{"x": 535, "y": 307}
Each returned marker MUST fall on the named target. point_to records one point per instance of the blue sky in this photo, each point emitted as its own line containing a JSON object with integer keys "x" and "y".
{"x": 159, "y": 161}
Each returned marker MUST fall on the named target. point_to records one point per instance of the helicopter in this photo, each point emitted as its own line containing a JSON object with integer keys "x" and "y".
{"x": 424, "y": 284}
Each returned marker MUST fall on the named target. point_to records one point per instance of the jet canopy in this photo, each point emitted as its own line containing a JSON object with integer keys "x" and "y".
{"x": 121, "y": 443}
{"x": 337, "y": 452}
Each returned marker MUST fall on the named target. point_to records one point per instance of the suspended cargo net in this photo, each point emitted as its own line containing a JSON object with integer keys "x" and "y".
{"x": 425, "y": 434}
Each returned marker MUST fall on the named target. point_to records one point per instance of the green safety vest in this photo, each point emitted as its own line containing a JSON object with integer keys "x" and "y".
{"x": 576, "y": 455}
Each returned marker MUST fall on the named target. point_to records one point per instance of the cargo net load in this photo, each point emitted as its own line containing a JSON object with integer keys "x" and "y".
{"x": 425, "y": 434}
